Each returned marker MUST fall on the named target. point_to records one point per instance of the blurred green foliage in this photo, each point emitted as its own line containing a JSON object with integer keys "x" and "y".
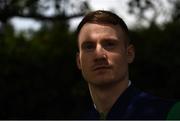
{"x": 39, "y": 78}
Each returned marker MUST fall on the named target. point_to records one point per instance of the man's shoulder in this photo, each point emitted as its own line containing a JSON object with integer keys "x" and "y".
{"x": 150, "y": 100}
{"x": 149, "y": 106}
{"x": 138, "y": 104}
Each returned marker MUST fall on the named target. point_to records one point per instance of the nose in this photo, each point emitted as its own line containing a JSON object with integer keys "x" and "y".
{"x": 100, "y": 52}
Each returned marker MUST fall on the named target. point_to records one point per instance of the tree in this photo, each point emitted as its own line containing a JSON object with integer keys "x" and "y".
{"x": 36, "y": 9}
{"x": 37, "y": 73}
{"x": 152, "y": 11}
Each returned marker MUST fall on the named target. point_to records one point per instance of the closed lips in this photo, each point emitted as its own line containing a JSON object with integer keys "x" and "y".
{"x": 101, "y": 67}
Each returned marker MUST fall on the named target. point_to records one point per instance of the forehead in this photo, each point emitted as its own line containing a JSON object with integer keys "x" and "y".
{"x": 94, "y": 31}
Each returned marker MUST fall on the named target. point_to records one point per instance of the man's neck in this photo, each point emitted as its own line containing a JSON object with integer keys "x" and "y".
{"x": 104, "y": 98}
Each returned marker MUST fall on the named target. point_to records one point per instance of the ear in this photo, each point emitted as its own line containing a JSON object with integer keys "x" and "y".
{"x": 78, "y": 61}
{"x": 130, "y": 53}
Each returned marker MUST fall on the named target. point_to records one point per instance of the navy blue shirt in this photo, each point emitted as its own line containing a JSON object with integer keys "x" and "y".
{"x": 136, "y": 104}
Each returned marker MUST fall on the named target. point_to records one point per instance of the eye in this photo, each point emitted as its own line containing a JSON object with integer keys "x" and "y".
{"x": 109, "y": 45}
{"x": 88, "y": 46}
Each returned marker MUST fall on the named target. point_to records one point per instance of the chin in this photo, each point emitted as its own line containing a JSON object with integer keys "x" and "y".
{"x": 102, "y": 81}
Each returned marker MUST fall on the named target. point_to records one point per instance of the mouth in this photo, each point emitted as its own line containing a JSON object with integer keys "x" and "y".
{"x": 101, "y": 68}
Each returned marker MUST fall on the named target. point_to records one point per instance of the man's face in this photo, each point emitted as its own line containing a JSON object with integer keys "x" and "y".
{"x": 103, "y": 55}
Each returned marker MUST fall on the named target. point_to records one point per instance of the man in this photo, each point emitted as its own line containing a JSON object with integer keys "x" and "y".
{"x": 105, "y": 51}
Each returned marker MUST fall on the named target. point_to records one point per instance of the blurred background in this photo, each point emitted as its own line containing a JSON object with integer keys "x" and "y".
{"x": 38, "y": 74}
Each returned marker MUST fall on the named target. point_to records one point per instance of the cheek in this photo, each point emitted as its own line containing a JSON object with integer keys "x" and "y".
{"x": 119, "y": 61}
{"x": 120, "y": 67}
{"x": 85, "y": 62}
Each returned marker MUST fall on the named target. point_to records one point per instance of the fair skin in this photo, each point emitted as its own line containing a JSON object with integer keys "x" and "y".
{"x": 103, "y": 58}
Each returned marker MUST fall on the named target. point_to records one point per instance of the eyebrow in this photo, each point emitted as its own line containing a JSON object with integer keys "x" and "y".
{"x": 110, "y": 39}
{"x": 86, "y": 42}
{"x": 105, "y": 39}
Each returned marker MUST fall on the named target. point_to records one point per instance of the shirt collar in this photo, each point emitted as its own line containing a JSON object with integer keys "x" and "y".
{"x": 129, "y": 83}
